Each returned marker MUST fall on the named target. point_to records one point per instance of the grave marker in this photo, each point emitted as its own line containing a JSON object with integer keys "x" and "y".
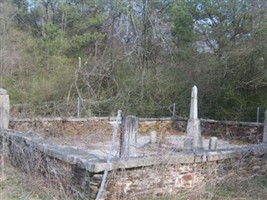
{"x": 193, "y": 131}
{"x": 128, "y": 138}
{"x": 213, "y": 143}
{"x": 153, "y": 137}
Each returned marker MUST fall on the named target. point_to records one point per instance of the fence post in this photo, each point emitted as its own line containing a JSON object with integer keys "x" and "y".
{"x": 4, "y": 109}
{"x": 265, "y": 128}
{"x": 78, "y": 107}
{"x": 258, "y": 114}
{"x": 116, "y": 127}
{"x": 128, "y": 138}
{"x": 173, "y": 110}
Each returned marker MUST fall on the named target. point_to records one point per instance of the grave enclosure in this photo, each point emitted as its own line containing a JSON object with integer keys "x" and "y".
{"x": 142, "y": 163}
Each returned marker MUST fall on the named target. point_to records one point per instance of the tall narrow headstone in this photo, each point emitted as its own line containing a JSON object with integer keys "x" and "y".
{"x": 4, "y": 109}
{"x": 128, "y": 138}
{"x": 193, "y": 132}
{"x": 265, "y": 128}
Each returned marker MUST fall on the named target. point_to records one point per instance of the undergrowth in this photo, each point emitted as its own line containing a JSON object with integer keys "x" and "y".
{"x": 232, "y": 188}
{"x": 16, "y": 185}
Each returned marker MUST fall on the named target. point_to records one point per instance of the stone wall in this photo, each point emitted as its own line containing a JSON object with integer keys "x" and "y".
{"x": 241, "y": 131}
{"x": 62, "y": 126}
{"x": 238, "y": 131}
{"x": 80, "y": 174}
{"x": 171, "y": 180}
{"x": 174, "y": 179}
{"x": 37, "y": 158}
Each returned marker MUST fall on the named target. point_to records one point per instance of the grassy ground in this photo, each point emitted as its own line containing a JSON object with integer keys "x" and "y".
{"x": 249, "y": 188}
{"x": 15, "y": 185}
{"x": 232, "y": 187}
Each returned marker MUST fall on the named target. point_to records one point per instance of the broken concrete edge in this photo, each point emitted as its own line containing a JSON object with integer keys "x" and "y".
{"x": 83, "y": 159}
{"x": 98, "y": 166}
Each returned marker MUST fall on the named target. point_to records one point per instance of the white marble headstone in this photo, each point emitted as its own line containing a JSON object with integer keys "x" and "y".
{"x": 193, "y": 130}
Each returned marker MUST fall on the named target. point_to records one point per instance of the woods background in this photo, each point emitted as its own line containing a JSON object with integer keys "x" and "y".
{"x": 140, "y": 56}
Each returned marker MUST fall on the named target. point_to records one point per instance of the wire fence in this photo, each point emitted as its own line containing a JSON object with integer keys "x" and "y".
{"x": 88, "y": 108}
{"x": 78, "y": 108}
{"x": 64, "y": 108}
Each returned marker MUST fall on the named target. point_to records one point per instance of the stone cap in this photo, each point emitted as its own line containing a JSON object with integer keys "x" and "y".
{"x": 3, "y": 91}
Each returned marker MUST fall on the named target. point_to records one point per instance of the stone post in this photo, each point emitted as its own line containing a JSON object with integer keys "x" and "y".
{"x": 193, "y": 131}
{"x": 265, "y": 128}
{"x": 4, "y": 109}
{"x": 128, "y": 138}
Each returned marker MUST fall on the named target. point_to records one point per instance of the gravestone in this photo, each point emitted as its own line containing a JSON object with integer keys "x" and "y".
{"x": 153, "y": 137}
{"x": 213, "y": 143}
{"x": 265, "y": 128}
{"x": 4, "y": 109}
{"x": 193, "y": 132}
{"x": 128, "y": 138}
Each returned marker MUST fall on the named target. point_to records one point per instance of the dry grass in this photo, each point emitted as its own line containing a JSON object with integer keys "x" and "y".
{"x": 235, "y": 187}
{"x": 16, "y": 185}
{"x": 232, "y": 188}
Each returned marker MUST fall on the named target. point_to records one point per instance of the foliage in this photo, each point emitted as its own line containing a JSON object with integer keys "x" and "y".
{"x": 138, "y": 56}
{"x": 227, "y": 31}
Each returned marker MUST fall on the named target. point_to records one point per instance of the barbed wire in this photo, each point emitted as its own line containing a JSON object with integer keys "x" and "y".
{"x": 75, "y": 108}
{"x": 107, "y": 107}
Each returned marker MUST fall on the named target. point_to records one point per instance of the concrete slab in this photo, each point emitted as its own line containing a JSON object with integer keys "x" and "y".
{"x": 168, "y": 151}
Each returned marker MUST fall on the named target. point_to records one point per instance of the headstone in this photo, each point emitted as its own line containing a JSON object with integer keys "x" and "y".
{"x": 193, "y": 124}
{"x": 213, "y": 143}
{"x": 4, "y": 109}
{"x": 265, "y": 128}
{"x": 193, "y": 104}
{"x": 153, "y": 137}
{"x": 128, "y": 138}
